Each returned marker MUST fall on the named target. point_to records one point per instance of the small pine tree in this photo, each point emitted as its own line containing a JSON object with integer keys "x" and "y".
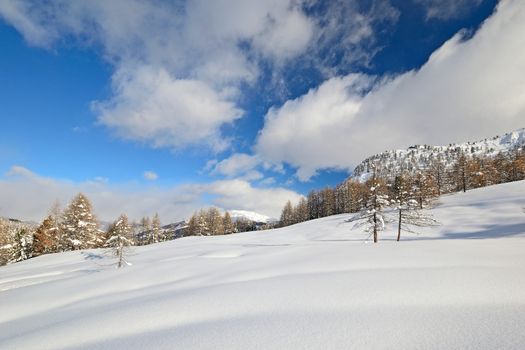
{"x": 44, "y": 238}
{"x": 21, "y": 247}
{"x": 192, "y": 226}
{"x": 215, "y": 221}
{"x": 203, "y": 227}
{"x": 119, "y": 239}
{"x": 408, "y": 207}
{"x": 144, "y": 230}
{"x": 460, "y": 173}
{"x": 300, "y": 212}
{"x": 56, "y": 229}
{"x": 155, "y": 235}
{"x": 227, "y": 224}
{"x": 286, "y": 215}
{"x": 372, "y": 216}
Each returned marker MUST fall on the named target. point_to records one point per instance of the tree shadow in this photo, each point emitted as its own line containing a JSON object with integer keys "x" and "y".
{"x": 486, "y": 232}
{"x": 91, "y": 256}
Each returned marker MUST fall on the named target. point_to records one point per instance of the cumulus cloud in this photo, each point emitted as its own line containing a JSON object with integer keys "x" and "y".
{"x": 470, "y": 88}
{"x": 28, "y": 196}
{"x": 150, "y": 175}
{"x": 235, "y": 165}
{"x": 151, "y": 106}
{"x": 180, "y": 67}
{"x": 241, "y": 194}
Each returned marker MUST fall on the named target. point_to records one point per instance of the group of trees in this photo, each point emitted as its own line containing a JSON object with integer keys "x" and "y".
{"x": 210, "y": 222}
{"x": 150, "y": 231}
{"x": 406, "y": 193}
{"x": 74, "y": 228}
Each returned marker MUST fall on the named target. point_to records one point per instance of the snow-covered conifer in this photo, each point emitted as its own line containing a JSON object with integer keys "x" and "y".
{"x": 155, "y": 234}
{"x": 372, "y": 217}
{"x": 22, "y": 245}
{"x": 144, "y": 229}
{"x": 119, "y": 239}
{"x": 286, "y": 215}
{"x": 215, "y": 221}
{"x": 44, "y": 238}
{"x": 408, "y": 207}
{"x": 227, "y": 224}
{"x": 79, "y": 226}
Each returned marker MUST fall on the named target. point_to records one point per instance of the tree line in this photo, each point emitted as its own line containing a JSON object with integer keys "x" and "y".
{"x": 76, "y": 228}
{"x": 210, "y": 222}
{"x": 407, "y": 192}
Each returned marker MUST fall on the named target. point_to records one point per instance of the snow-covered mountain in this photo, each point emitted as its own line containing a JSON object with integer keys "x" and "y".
{"x": 251, "y": 216}
{"x": 419, "y": 157}
{"x": 174, "y": 230}
{"x": 314, "y": 285}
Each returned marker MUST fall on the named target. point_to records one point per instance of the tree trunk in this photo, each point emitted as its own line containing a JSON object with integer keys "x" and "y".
{"x": 120, "y": 246}
{"x": 464, "y": 180}
{"x": 375, "y": 228}
{"x": 399, "y": 227}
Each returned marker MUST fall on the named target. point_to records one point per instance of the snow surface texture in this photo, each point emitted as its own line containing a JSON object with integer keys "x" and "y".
{"x": 420, "y": 157}
{"x": 315, "y": 285}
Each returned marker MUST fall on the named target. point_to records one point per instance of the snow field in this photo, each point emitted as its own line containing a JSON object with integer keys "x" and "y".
{"x": 314, "y": 285}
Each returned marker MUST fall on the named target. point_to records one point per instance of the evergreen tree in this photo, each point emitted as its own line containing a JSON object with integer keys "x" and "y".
{"x": 460, "y": 173}
{"x": 155, "y": 234}
{"x": 423, "y": 188}
{"x": 119, "y": 239}
{"x": 56, "y": 229}
{"x": 79, "y": 225}
{"x": 44, "y": 238}
{"x": 372, "y": 216}
{"x": 438, "y": 172}
{"x": 144, "y": 231}
{"x": 227, "y": 224}
{"x": 408, "y": 207}
{"x": 328, "y": 206}
{"x": 203, "y": 227}
{"x": 215, "y": 221}
{"x": 5, "y": 242}
{"x": 21, "y": 247}
{"x": 192, "y": 226}
{"x": 286, "y": 215}
{"x": 300, "y": 212}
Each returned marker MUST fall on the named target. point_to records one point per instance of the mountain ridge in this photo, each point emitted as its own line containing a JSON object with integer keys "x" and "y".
{"x": 420, "y": 157}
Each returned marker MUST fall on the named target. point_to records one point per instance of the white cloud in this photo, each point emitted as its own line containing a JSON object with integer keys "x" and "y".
{"x": 180, "y": 67}
{"x": 151, "y": 106}
{"x": 150, "y": 175}
{"x": 237, "y": 164}
{"x": 468, "y": 89}
{"x": 28, "y": 196}
{"x": 177, "y": 66}
{"x": 446, "y": 9}
{"x": 345, "y": 34}
{"x": 311, "y": 131}
{"x": 240, "y": 194}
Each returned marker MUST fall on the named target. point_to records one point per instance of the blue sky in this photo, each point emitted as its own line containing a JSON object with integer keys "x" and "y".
{"x": 168, "y": 106}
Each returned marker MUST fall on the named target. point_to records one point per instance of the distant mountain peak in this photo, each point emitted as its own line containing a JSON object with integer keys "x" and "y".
{"x": 251, "y": 216}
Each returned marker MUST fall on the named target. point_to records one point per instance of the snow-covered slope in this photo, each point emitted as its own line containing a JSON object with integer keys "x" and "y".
{"x": 419, "y": 157}
{"x": 315, "y": 285}
{"x": 250, "y": 216}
